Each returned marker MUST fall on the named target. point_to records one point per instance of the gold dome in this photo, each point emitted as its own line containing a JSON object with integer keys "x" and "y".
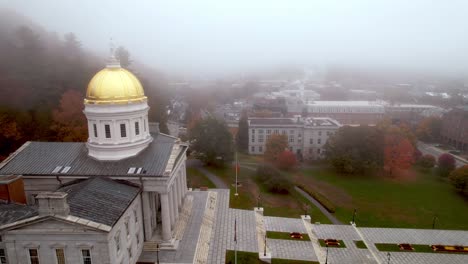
{"x": 114, "y": 85}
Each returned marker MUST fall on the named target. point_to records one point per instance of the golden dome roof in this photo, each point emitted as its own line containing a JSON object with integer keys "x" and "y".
{"x": 114, "y": 85}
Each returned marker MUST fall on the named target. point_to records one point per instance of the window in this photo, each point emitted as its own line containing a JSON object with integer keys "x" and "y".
{"x": 60, "y": 255}
{"x": 253, "y": 131}
{"x": 107, "y": 130}
{"x": 318, "y": 151}
{"x": 260, "y": 131}
{"x": 260, "y": 148}
{"x": 123, "y": 130}
{"x": 320, "y": 133}
{"x": 127, "y": 229}
{"x": 319, "y": 141}
{"x": 311, "y": 141}
{"x": 95, "y": 130}
{"x": 268, "y": 131}
{"x": 252, "y": 149}
{"x": 283, "y": 132}
{"x": 253, "y": 138}
{"x": 33, "y": 256}
{"x": 117, "y": 241}
{"x": 276, "y": 132}
{"x": 260, "y": 138}
{"x": 291, "y": 138}
{"x": 2, "y": 256}
{"x": 86, "y": 253}
{"x": 137, "y": 129}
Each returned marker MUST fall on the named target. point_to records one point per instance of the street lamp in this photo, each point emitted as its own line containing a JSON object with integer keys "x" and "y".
{"x": 264, "y": 247}
{"x": 354, "y": 215}
{"x": 434, "y": 221}
{"x": 157, "y": 253}
{"x": 326, "y": 256}
{"x": 388, "y": 256}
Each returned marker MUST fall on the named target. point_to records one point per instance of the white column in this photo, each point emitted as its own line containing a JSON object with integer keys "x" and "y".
{"x": 171, "y": 206}
{"x": 147, "y": 216}
{"x": 178, "y": 193}
{"x": 165, "y": 215}
{"x": 176, "y": 206}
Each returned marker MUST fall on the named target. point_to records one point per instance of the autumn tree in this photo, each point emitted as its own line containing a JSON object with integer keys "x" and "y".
{"x": 275, "y": 145}
{"x": 242, "y": 136}
{"x": 429, "y": 129}
{"x": 69, "y": 120}
{"x": 355, "y": 149}
{"x": 286, "y": 160}
{"x": 445, "y": 164}
{"x": 398, "y": 153}
{"x": 213, "y": 141}
{"x": 459, "y": 179}
{"x": 427, "y": 161}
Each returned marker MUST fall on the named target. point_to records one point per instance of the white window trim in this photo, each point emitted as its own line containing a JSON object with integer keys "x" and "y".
{"x": 64, "y": 254}
{"x": 90, "y": 254}
{"x": 29, "y": 254}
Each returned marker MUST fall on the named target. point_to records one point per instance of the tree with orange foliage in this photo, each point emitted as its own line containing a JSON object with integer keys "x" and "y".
{"x": 69, "y": 120}
{"x": 398, "y": 153}
{"x": 275, "y": 145}
{"x": 286, "y": 160}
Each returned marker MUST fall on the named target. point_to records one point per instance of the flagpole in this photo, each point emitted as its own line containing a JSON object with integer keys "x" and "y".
{"x": 235, "y": 240}
{"x": 237, "y": 165}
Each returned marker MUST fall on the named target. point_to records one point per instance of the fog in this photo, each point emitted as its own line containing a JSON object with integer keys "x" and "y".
{"x": 214, "y": 37}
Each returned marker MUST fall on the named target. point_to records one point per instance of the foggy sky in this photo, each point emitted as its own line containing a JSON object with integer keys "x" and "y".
{"x": 217, "y": 36}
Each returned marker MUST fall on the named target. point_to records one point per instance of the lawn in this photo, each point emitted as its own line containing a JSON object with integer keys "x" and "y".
{"x": 360, "y": 244}
{"x": 286, "y": 236}
{"x": 286, "y": 205}
{"x": 382, "y": 202}
{"x": 196, "y": 179}
{"x": 252, "y": 258}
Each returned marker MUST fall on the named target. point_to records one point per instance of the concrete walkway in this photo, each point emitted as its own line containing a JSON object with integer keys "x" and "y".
{"x": 220, "y": 184}
{"x": 319, "y": 206}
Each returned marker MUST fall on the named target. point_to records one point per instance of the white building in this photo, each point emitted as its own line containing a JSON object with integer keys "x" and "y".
{"x": 120, "y": 147}
{"x": 306, "y": 137}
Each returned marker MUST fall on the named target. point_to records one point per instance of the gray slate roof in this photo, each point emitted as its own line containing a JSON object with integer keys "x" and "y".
{"x": 100, "y": 199}
{"x": 11, "y": 212}
{"x": 41, "y": 158}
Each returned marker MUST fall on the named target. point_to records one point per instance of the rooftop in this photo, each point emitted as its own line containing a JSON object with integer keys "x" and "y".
{"x": 71, "y": 158}
{"x": 12, "y": 212}
{"x": 347, "y": 103}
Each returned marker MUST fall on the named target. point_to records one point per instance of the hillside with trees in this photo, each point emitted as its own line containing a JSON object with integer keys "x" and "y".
{"x": 43, "y": 79}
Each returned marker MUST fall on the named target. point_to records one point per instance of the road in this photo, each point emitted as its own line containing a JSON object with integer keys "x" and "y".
{"x": 436, "y": 152}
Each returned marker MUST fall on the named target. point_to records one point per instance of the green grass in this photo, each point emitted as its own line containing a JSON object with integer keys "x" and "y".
{"x": 417, "y": 248}
{"x": 287, "y": 205}
{"x": 242, "y": 257}
{"x": 383, "y": 202}
{"x": 196, "y": 179}
{"x": 322, "y": 243}
{"x": 285, "y": 235}
{"x": 291, "y": 261}
{"x": 252, "y": 258}
{"x": 360, "y": 244}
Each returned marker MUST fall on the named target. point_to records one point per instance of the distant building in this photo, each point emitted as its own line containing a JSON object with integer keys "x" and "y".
{"x": 363, "y": 95}
{"x": 455, "y": 128}
{"x": 348, "y": 112}
{"x": 409, "y": 112}
{"x": 306, "y": 137}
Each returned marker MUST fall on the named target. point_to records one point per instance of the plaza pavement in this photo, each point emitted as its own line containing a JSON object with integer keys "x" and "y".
{"x": 219, "y": 237}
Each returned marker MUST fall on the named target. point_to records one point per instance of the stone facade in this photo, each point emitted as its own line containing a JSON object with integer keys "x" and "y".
{"x": 306, "y": 137}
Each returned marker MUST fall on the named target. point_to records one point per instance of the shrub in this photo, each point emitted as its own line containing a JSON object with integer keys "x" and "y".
{"x": 459, "y": 179}
{"x": 286, "y": 160}
{"x": 427, "y": 161}
{"x": 320, "y": 198}
{"x": 273, "y": 179}
{"x": 446, "y": 164}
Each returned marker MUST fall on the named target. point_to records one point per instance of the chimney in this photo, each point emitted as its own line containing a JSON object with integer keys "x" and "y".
{"x": 53, "y": 203}
{"x": 12, "y": 189}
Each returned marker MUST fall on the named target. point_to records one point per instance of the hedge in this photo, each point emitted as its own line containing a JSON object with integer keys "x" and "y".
{"x": 320, "y": 198}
